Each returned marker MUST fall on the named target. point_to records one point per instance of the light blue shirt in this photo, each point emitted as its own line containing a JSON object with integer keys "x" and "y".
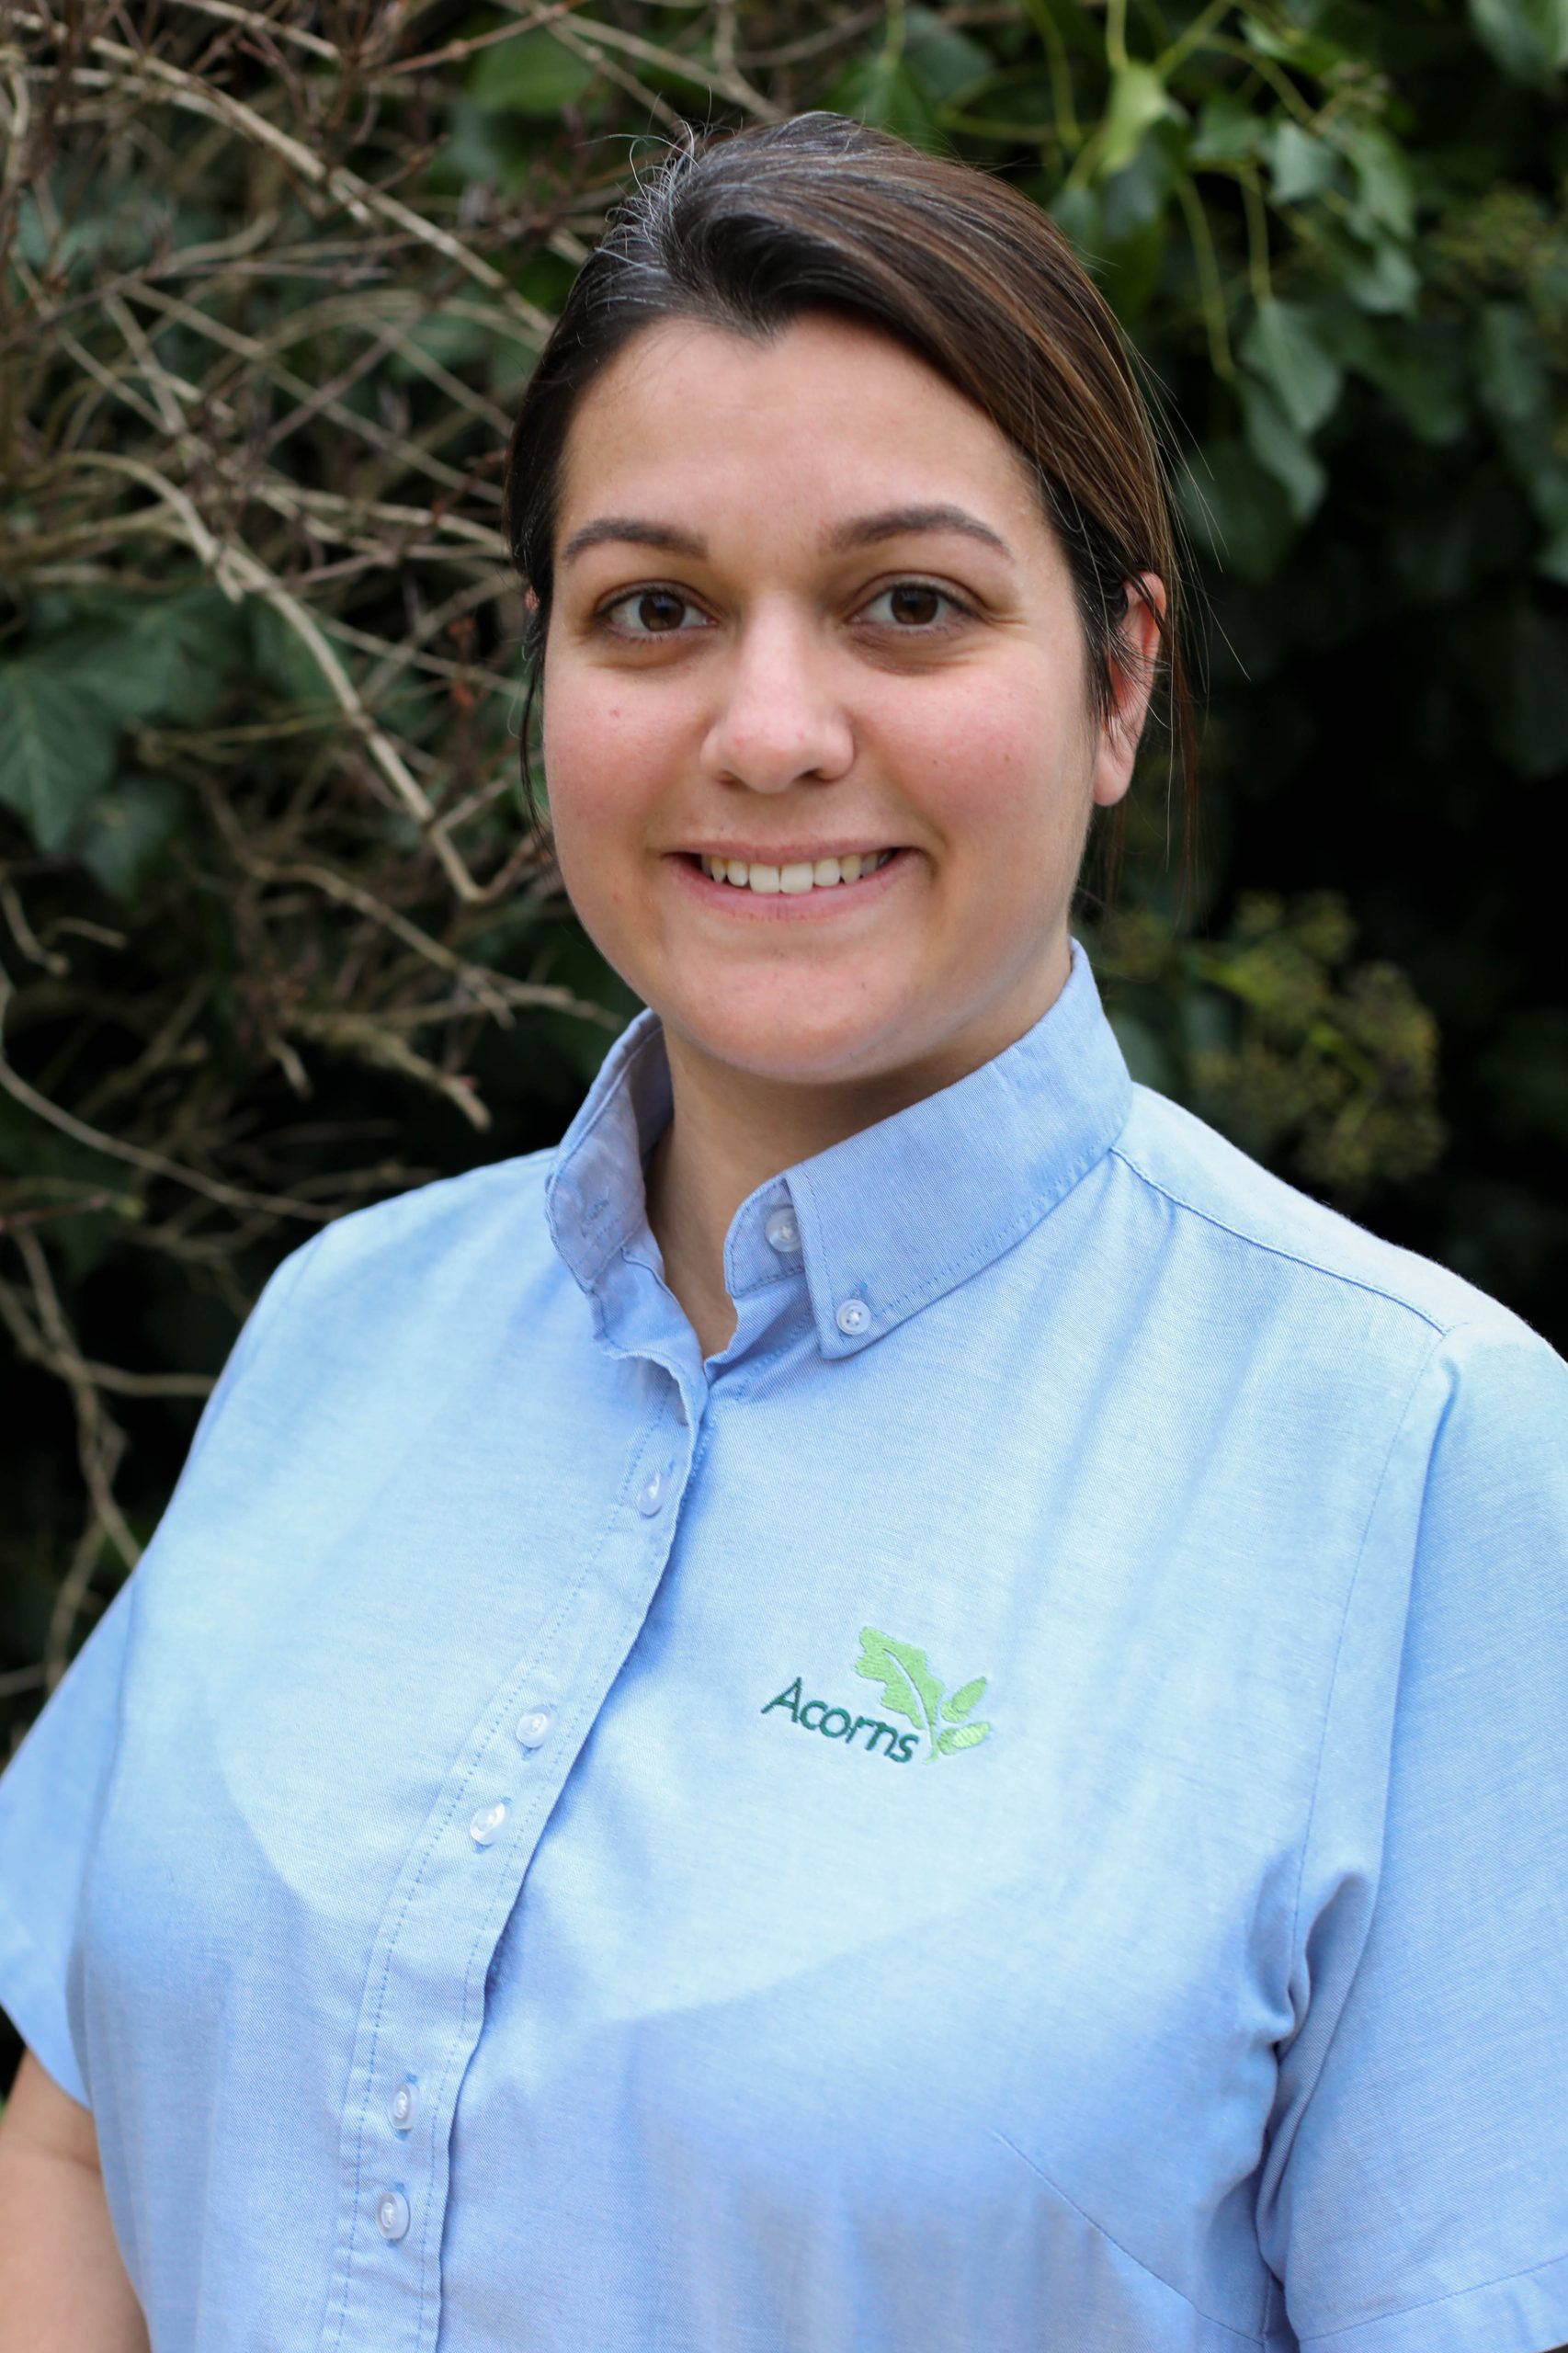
{"x": 1023, "y": 1804}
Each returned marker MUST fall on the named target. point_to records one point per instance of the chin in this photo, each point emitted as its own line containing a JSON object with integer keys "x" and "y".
{"x": 801, "y": 1051}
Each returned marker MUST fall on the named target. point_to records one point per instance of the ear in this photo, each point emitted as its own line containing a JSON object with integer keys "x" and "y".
{"x": 530, "y": 602}
{"x": 1133, "y": 671}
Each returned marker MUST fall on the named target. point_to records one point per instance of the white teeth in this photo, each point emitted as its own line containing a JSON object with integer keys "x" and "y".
{"x": 798, "y": 877}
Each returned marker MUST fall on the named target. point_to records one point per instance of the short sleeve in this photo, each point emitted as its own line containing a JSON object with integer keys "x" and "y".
{"x": 53, "y": 1793}
{"x": 1422, "y": 2203}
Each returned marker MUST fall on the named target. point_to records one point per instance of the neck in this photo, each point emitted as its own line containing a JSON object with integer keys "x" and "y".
{"x": 732, "y": 1131}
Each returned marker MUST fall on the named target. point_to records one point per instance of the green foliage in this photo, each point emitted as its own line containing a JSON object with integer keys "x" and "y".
{"x": 1311, "y": 1062}
{"x": 276, "y": 935}
{"x": 533, "y": 73}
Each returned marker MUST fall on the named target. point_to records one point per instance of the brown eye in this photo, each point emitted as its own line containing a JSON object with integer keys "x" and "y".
{"x": 659, "y": 609}
{"x": 914, "y": 605}
{"x": 648, "y": 613}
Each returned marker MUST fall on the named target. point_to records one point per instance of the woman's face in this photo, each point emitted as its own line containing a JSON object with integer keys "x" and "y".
{"x": 808, "y": 609}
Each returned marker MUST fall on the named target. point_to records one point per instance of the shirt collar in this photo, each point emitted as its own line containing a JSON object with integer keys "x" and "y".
{"x": 892, "y": 1218}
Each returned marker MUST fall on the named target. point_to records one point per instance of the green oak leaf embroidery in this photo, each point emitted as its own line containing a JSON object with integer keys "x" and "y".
{"x": 964, "y": 1703}
{"x": 910, "y": 1689}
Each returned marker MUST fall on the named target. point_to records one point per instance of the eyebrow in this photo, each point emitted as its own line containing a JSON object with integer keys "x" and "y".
{"x": 859, "y": 531}
{"x": 633, "y": 528}
{"x": 900, "y": 522}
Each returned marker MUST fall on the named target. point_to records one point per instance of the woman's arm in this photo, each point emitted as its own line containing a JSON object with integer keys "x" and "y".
{"x": 63, "y": 2285}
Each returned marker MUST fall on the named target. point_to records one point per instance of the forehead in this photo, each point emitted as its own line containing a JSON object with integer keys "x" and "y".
{"x": 825, "y": 411}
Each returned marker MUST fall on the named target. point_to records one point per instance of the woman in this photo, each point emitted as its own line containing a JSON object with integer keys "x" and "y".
{"x": 892, "y": 1699}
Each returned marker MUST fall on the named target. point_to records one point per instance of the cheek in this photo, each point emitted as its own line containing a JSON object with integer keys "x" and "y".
{"x": 1005, "y": 757}
{"x": 592, "y": 770}
{"x": 606, "y": 753}
{"x": 589, "y": 740}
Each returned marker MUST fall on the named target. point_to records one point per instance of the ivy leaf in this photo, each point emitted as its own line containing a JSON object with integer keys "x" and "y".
{"x": 1282, "y": 347}
{"x": 57, "y": 748}
{"x": 966, "y": 1736}
{"x": 1275, "y": 443}
{"x": 906, "y": 1679}
{"x": 964, "y": 1702}
{"x": 282, "y": 659}
{"x": 1385, "y": 192}
{"x": 1078, "y": 213}
{"x": 881, "y": 91}
{"x": 1379, "y": 274}
{"x": 1301, "y": 164}
{"x": 1292, "y": 44}
{"x": 532, "y": 74}
{"x": 1528, "y": 38}
{"x": 167, "y": 657}
{"x": 122, "y": 837}
{"x": 1227, "y": 131}
{"x": 943, "y": 60}
{"x": 1138, "y": 100}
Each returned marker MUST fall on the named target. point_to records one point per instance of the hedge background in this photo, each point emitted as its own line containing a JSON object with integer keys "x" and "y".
{"x": 276, "y": 936}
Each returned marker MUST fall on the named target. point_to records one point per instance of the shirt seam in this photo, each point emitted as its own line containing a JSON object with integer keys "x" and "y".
{"x": 1398, "y": 1432}
{"x": 1246, "y": 2337}
{"x": 1000, "y": 1239}
{"x": 1277, "y": 1250}
{"x": 1430, "y": 2304}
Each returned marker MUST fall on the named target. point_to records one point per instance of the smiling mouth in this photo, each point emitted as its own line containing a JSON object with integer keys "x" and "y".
{"x": 794, "y": 879}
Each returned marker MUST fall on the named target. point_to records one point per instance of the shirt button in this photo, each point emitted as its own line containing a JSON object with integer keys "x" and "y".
{"x": 533, "y": 1726}
{"x": 782, "y": 1231}
{"x": 853, "y": 1317}
{"x": 392, "y": 2213}
{"x": 487, "y": 1825}
{"x": 400, "y": 2107}
{"x": 652, "y": 1495}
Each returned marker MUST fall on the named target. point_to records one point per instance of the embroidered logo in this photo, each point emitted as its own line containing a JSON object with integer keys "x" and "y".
{"x": 909, "y": 1690}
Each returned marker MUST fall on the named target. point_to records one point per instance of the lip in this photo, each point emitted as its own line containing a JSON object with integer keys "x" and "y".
{"x": 783, "y": 907}
{"x": 784, "y": 853}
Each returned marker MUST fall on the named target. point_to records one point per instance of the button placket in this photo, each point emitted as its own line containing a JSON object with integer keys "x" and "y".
{"x": 563, "y": 1682}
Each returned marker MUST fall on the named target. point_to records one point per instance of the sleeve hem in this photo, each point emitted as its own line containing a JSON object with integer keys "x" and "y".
{"x": 1526, "y": 2312}
{"x": 32, "y": 2001}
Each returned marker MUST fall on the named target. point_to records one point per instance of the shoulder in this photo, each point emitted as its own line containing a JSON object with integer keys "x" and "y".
{"x": 1253, "y": 1225}
{"x": 459, "y": 1229}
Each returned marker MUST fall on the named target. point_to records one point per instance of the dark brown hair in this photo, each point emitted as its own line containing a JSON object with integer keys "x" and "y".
{"x": 747, "y": 230}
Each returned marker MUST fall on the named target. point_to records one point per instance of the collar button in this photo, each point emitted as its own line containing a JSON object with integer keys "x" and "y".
{"x": 782, "y": 1231}
{"x": 853, "y": 1317}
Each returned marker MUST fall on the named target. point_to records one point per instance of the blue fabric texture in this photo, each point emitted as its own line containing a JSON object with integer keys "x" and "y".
{"x": 1024, "y": 1803}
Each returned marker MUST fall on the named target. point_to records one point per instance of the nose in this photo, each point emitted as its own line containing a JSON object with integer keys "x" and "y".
{"x": 779, "y": 719}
